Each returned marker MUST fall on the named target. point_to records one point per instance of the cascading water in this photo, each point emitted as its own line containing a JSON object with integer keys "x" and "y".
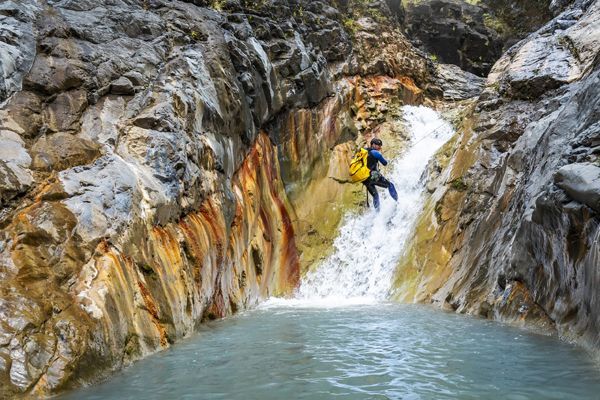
{"x": 318, "y": 346}
{"x": 369, "y": 245}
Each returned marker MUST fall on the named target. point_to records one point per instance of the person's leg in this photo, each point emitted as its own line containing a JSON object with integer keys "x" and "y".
{"x": 392, "y": 190}
{"x": 384, "y": 183}
{"x": 373, "y": 192}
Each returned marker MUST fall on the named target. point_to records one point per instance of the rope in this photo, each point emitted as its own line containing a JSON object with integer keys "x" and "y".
{"x": 442, "y": 125}
{"x": 430, "y": 133}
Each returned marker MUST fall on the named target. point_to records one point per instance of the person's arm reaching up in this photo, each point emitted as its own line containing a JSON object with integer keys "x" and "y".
{"x": 379, "y": 157}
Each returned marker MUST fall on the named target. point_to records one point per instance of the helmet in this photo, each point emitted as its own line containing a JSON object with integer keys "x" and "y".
{"x": 376, "y": 141}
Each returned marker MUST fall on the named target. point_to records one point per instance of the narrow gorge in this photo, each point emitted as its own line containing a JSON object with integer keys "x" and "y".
{"x": 165, "y": 164}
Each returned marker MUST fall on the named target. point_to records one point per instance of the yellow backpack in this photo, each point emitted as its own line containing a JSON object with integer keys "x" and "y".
{"x": 359, "y": 171}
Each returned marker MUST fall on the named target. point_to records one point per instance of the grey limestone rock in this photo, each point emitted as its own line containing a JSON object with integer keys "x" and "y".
{"x": 17, "y": 43}
{"x": 457, "y": 84}
{"x": 122, "y": 86}
{"x": 15, "y": 176}
{"x": 582, "y": 183}
{"x": 122, "y": 122}
{"x": 528, "y": 224}
{"x": 551, "y": 57}
{"x": 454, "y": 32}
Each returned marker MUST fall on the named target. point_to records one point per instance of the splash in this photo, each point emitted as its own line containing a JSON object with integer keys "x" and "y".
{"x": 369, "y": 245}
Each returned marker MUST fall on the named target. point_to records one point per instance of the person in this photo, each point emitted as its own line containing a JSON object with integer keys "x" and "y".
{"x": 375, "y": 177}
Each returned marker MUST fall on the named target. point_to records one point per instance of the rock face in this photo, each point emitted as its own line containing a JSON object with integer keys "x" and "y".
{"x": 512, "y": 229}
{"x": 17, "y": 44}
{"x": 153, "y": 155}
{"x": 455, "y": 32}
{"x": 158, "y": 160}
{"x": 581, "y": 181}
{"x": 515, "y": 19}
{"x": 456, "y": 84}
{"x": 474, "y": 34}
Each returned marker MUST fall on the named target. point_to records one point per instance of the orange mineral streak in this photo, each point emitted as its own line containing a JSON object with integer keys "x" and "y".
{"x": 308, "y": 134}
{"x": 410, "y": 85}
{"x": 118, "y": 298}
{"x": 157, "y": 287}
{"x": 382, "y": 87}
{"x": 261, "y": 190}
{"x": 153, "y": 310}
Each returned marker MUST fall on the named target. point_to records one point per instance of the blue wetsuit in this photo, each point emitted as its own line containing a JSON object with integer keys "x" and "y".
{"x": 374, "y": 157}
{"x": 376, "y": 179}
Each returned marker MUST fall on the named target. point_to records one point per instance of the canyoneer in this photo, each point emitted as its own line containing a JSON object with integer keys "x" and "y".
{"x": 364, "y": 168}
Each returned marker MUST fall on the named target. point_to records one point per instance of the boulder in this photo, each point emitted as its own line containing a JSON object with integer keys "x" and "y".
{"x": 122, "y": 86}
{"x": 59, "y": 151}
{"x": 64, "y": 112}
{"x": 22, "y": 114}
{"x": 51, "y": 75}
{"x": 457, "y": 84}
{"x": 539, "y": 66}
{"x": 581, "y": 182}
{"x": 557, "y": 54}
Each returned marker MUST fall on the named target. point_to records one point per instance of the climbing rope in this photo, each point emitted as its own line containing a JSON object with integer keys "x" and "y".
{"x": 430, "y": 133}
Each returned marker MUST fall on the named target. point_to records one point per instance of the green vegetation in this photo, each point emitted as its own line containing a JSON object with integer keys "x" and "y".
{"x": 254, "y": 4}
{"x": 356, "y": 9}
{"x": 195, "y": 35}
{"x": 217, "y": 4}
{"x": 493, "y": 23}
{"x": 351, "y": 25}
{"x": 459, "y": 184}
{"x": 299, "y": 14}
{"x": 248, "y": 4}
{"x": 495, "y": 86}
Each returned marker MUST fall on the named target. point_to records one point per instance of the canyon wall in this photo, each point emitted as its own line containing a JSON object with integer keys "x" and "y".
{"x": 160, "y": 159}
{"x": 511, "y": 229}
{"x": 167, "y": 162}
{"x": 474, "y": 34}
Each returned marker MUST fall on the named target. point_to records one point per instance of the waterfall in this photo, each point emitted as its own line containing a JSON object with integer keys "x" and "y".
{"x": 369, "y": 245}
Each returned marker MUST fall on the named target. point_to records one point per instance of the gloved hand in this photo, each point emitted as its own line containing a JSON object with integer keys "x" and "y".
{"x": 375, "y": 175}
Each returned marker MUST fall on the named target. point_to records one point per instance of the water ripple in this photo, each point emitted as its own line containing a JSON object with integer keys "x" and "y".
{"x": 361, "y": 352}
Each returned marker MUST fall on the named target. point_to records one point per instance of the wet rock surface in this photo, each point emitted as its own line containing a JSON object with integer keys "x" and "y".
{"x": 527, "y": 72}
{"x": 455, "y": 84}
{"x": 149, "y": 156}
{"x": 474, "y": 34}
{"x": 515, "y": 19}
{"x": 158, "y": 158}
{"x": 581, "y": 181}
{"x": 515, "y": 231}
{"x": 454, "y": 32}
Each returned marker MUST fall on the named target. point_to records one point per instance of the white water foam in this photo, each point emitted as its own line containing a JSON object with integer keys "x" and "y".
{"x": 369, "y": 245}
